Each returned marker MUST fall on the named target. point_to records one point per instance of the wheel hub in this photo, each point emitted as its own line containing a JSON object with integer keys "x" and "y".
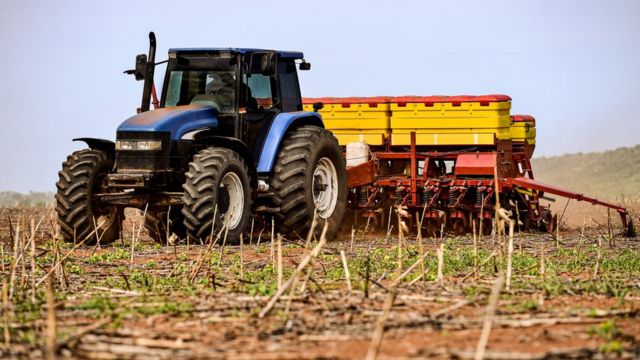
{"x": 231, "y": 200}
{"x": 325, "y": 187}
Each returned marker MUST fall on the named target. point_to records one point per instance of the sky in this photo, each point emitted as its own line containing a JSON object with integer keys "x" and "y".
{"x": 574, "y": 65}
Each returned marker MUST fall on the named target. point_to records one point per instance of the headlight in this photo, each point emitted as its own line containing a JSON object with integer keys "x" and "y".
{"x": 149, "y": 145}
{"x": 144, "y": 145}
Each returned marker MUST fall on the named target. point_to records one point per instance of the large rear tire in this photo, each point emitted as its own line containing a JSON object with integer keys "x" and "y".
{"x": 217, "y": 182}
{"x": 309, "y": 176}
{"x": 80, "y": 215}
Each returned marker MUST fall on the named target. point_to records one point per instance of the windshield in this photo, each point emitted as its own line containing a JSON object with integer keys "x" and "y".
{"x": 212, "y": 88}
{"x": 202, "y": 79}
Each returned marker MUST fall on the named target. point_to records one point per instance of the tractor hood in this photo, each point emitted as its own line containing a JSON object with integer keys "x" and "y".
{"x": 177, "y": 120}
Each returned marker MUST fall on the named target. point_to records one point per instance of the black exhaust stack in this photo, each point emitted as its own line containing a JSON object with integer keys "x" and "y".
{"x": 148, "y": 75}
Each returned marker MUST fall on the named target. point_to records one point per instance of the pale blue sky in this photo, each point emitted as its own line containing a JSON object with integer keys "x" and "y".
{"x": 574, "y": 65}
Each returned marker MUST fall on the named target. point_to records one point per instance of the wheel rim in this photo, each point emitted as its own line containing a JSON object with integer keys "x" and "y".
{"x": 231, "y": 200}
{"x": 325, "y": 187}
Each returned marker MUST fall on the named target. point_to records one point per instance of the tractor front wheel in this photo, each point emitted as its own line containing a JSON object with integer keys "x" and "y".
{"x": 217, "y": 185}
{"x": 80, "y": 214}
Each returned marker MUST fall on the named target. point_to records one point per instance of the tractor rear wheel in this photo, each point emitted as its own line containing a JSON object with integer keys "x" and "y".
{"x": 156, "y": 224}
{"x": 217, "y": 183}
{"x": 80, "y": 215}
{"x": 309, "y": 177}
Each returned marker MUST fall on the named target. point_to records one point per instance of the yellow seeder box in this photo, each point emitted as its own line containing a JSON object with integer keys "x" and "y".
{"x": 436, "y": 120}
{"x": 451, "y": 120}
{"x": 355, "y": 119}
{"x": 523, "y": 128}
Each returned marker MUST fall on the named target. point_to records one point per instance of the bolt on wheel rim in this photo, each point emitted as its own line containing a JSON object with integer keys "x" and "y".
{"x": 325, "y": 187}
{"x": 233, "y": 197}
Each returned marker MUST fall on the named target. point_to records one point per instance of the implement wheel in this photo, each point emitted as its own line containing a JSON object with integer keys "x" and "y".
{"x": 548, "y": 222}
{"x": 80, "y": 215}
{"x": 458, "y": 226}
{"x": 309, "y": 176}
{"x": 431, "y": 227}
{"x": 217, "y": 182}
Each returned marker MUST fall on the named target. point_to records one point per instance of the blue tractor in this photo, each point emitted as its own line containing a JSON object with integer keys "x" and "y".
{"x": 227, "y": 139}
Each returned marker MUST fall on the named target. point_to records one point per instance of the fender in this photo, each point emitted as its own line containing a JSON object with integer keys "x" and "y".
{"x": 281, "y": 124}
{"x": 107, "y": 146}
{"x": 235, "y": 145}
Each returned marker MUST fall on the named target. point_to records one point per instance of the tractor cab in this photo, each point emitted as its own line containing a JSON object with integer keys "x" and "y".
{"x": 234, "y": 93}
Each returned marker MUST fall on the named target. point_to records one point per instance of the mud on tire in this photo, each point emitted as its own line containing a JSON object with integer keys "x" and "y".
{"x": 83, "y": 174}
{"x": 217, "y": 181}
{"x": 301, "y": 182}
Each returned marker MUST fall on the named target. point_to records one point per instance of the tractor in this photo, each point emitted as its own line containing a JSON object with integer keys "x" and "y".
{"x": 226, "y": 140}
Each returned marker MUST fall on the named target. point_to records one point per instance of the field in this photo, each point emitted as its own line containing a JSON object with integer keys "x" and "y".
{"x": 572, "y": 295}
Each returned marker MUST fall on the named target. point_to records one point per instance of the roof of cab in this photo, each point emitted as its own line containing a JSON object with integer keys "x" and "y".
{"x": 284, "y": 54}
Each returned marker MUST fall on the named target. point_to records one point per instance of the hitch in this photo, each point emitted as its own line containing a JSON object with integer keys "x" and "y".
{"x": 531, "y": 184}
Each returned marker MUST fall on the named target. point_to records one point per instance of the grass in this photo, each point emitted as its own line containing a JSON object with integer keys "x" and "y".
{"x": 100, "y": 304}
{"x": 609, "y": 332}
{"x": 566, "y": 269}
{"x": 108, "y": 256}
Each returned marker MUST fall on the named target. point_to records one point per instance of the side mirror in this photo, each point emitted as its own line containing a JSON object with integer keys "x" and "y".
{"x": 317, "y": 106}
{"x": 141, "y": 66}
{"x": 305, "y": 65}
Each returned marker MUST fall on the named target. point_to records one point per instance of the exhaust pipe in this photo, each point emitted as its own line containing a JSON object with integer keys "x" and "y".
{"x": 148, "y": 75}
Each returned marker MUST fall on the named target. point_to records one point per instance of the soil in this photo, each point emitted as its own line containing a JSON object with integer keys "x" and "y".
{"x": 215, "y": 316}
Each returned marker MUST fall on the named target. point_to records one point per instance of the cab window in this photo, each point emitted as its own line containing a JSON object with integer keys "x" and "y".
{"x": 260, "y": 95}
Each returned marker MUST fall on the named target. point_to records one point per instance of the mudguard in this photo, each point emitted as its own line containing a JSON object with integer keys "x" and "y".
{"x": 177, "y": 120}
{"x": 281, "y": 123}
{"x": 107, "y": 146}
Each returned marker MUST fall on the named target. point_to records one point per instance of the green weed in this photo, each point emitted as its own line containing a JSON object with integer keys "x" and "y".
{"x": 108, "y": 256}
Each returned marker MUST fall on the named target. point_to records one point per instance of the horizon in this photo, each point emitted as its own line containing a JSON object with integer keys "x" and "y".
{"x": 572, "y": 65}
{"x": 550, "y": 157}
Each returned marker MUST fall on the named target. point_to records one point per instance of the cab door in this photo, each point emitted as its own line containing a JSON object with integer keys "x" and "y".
{"x": 259, "y": 104}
